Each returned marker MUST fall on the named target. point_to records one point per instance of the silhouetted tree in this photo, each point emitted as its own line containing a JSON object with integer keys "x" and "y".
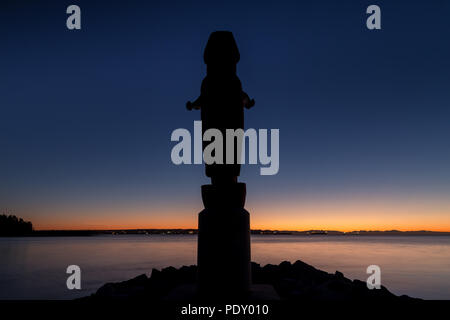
{"x": 12, "y": 226}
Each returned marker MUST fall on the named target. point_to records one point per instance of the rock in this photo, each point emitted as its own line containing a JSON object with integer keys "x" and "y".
{"x": 126, "y": 289}
{"x": 292, "y": 282}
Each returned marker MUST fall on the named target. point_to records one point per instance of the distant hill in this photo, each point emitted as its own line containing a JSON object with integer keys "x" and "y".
{"x": 169, "y": 232}
{"x": 353, "y": 233}
{"x": 12, "y": 226}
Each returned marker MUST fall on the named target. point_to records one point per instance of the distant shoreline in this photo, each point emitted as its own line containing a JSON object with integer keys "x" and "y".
{"x": 169, "y": 232}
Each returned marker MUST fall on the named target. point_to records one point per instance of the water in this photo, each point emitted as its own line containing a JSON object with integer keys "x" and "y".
{"x": 34, "y": 268}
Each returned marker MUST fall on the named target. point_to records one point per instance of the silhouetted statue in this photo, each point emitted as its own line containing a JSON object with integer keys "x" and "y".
{"x": 224, "y": 225}
{"x": 222, "y": 100}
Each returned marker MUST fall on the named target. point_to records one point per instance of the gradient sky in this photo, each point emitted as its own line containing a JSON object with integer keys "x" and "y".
{"x": 86, "y": 116}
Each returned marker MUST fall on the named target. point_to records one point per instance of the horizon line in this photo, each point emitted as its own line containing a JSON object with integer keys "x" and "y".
{"x": 257, "y": 229}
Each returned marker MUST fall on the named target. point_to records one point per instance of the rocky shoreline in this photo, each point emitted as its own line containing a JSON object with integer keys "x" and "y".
{"x": 291, "y": 281}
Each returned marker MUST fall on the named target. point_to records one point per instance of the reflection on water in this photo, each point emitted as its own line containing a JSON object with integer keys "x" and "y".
{"x": 34, "y": 268}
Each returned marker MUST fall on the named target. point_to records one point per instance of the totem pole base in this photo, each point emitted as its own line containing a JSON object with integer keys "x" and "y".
{"x": 224, "y": 242}
{"x": 223, "y": 256}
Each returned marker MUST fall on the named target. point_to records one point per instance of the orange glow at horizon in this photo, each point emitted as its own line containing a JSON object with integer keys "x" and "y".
{"x": 340, "y": 215}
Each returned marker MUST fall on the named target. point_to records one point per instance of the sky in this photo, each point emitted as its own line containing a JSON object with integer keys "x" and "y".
{"x": 86, "y": 115}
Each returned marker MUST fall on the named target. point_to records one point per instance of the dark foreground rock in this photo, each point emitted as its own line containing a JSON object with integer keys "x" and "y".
{"x": 298, "y": 281}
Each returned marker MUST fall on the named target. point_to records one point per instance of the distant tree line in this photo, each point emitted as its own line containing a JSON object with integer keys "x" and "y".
{"x": 12, "y": 226}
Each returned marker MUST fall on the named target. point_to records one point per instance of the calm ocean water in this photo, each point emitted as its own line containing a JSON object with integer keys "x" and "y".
{"x": 34, "y": 268}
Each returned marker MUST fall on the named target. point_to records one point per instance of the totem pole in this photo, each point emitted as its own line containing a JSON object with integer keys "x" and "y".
{"x": 224, "y": 225}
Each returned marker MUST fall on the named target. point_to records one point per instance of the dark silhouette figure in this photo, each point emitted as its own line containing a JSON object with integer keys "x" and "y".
{"x": 224, "y": 225}
{"x": 222, "y": 100}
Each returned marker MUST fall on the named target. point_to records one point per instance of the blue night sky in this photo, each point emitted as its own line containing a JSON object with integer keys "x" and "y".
{"x": 86, "y": 116}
